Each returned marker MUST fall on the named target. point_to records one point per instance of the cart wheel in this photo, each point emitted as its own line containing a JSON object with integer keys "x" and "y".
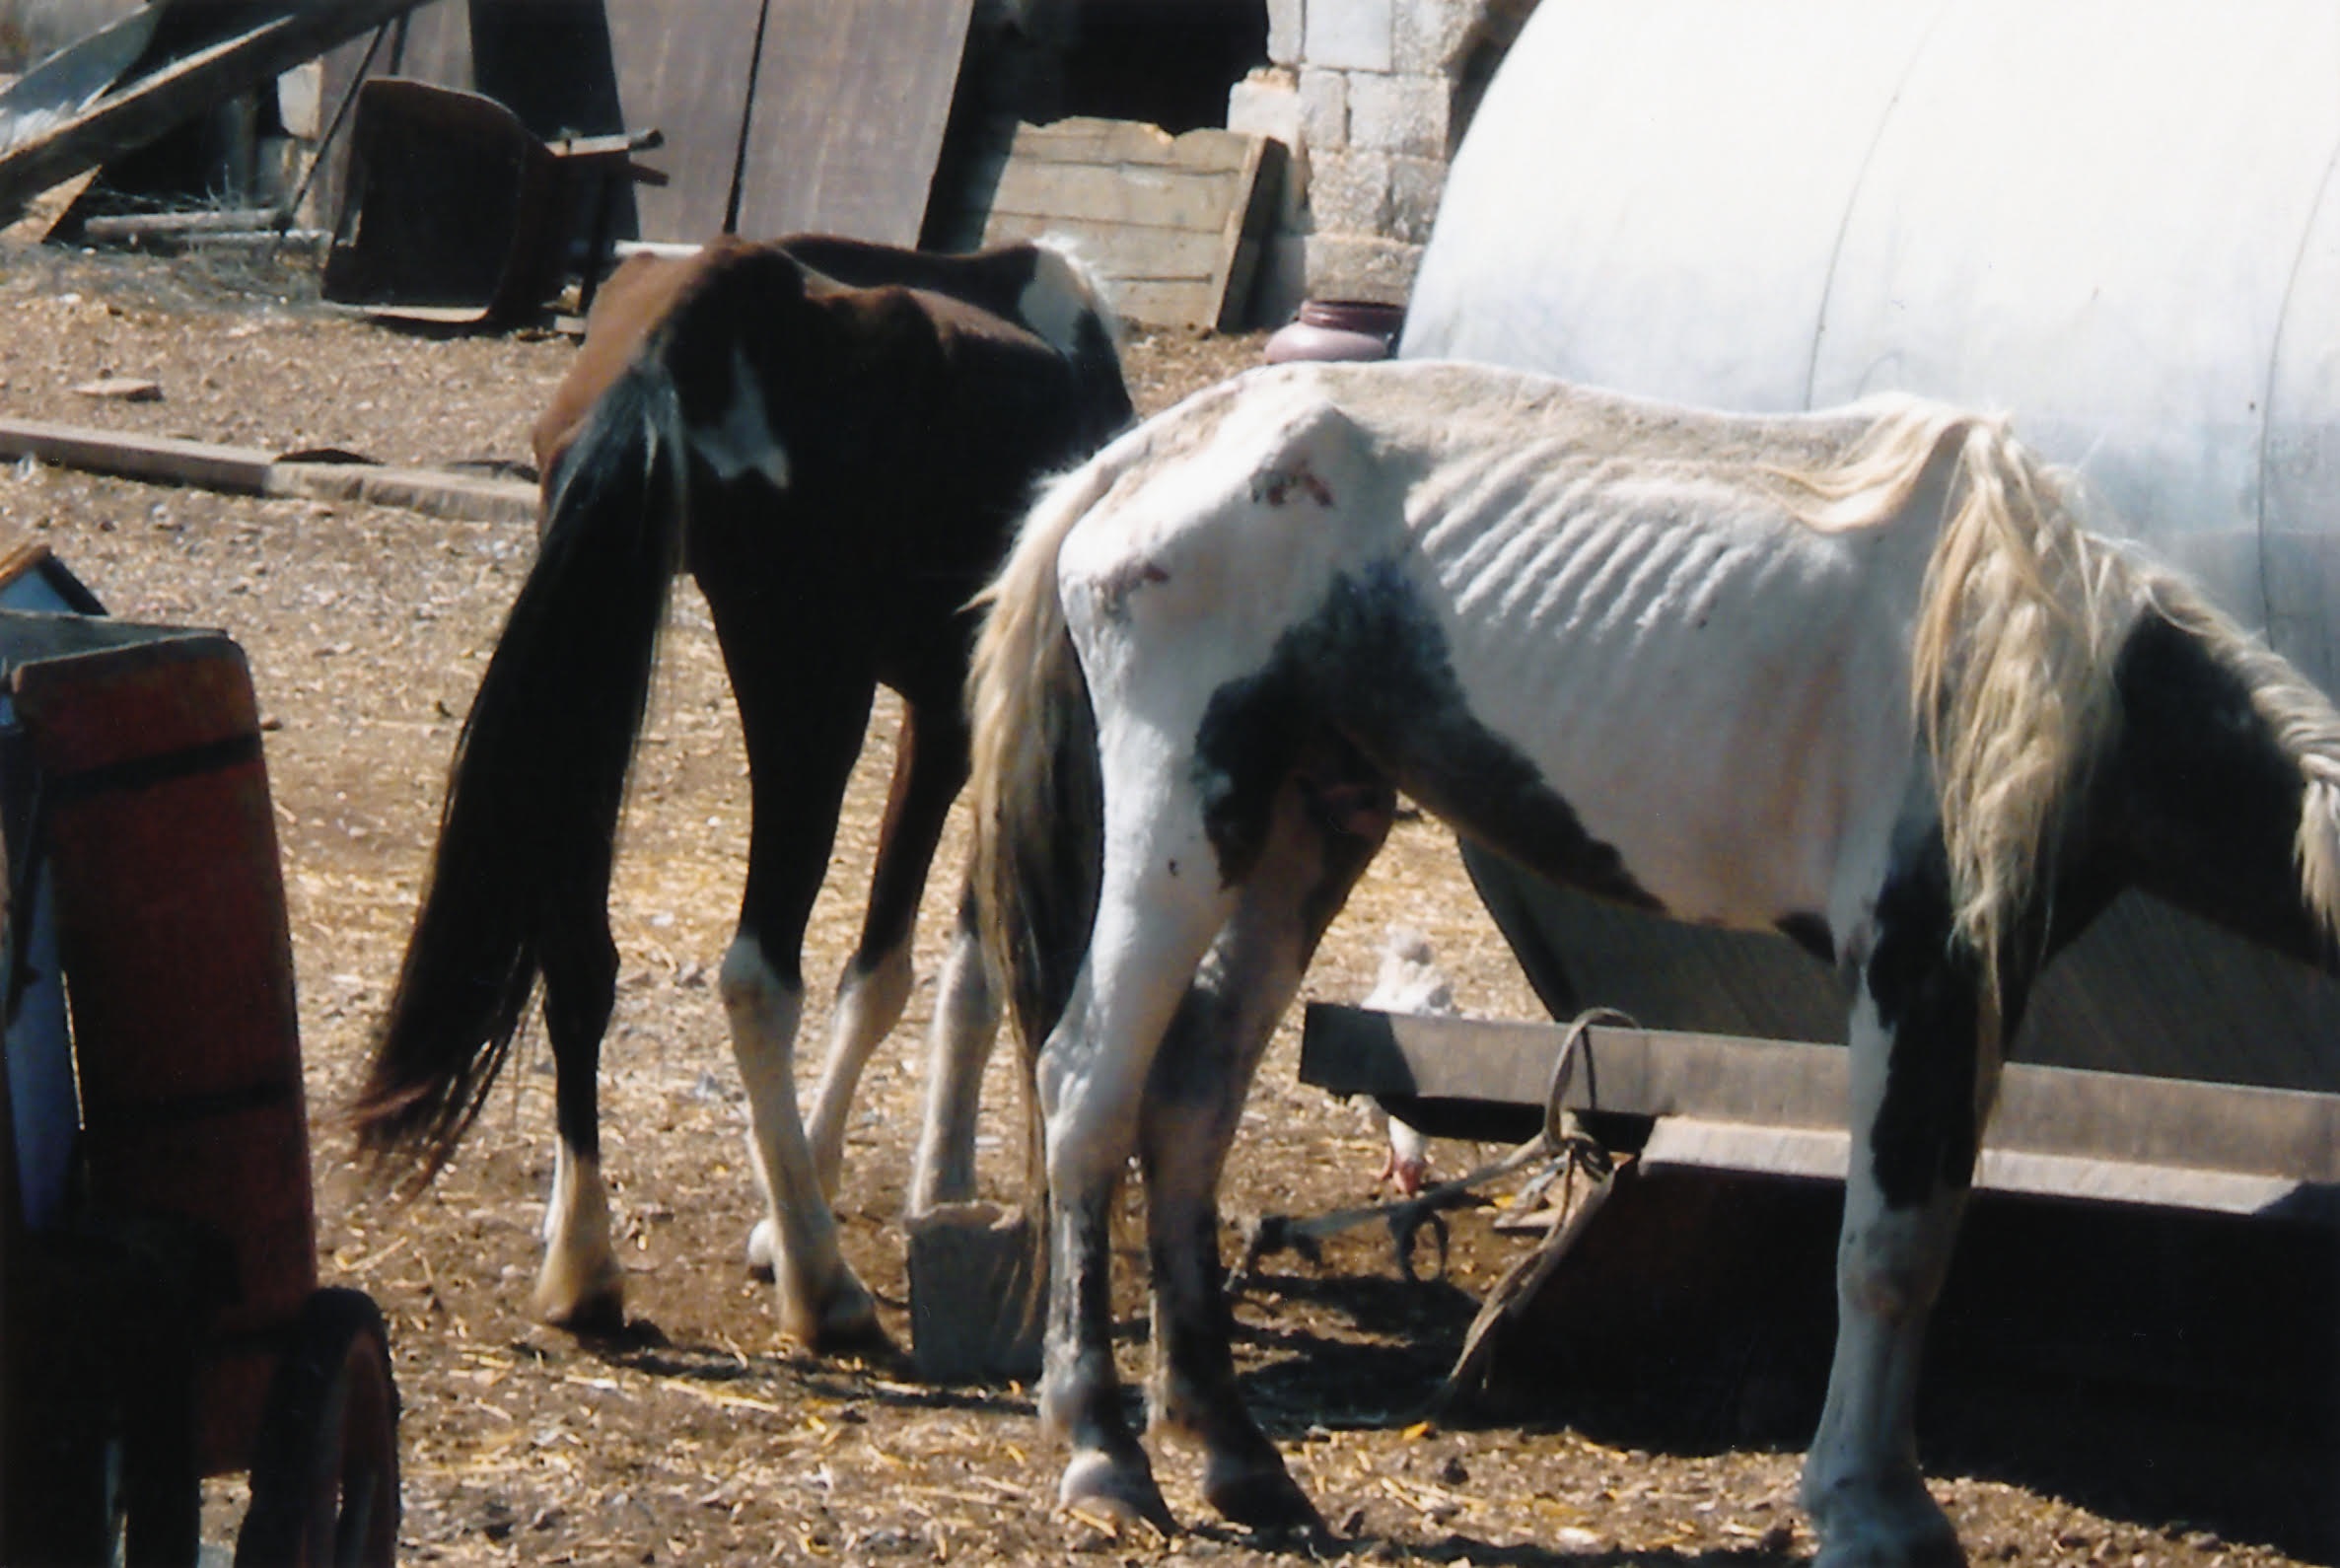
{"x": 324, "y": 1481}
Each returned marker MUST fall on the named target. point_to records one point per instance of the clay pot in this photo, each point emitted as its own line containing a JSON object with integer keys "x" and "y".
{"x": 1338, "y": 329}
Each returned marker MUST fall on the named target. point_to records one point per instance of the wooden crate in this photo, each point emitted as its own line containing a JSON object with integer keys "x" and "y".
{"x": 1174, "y": 223}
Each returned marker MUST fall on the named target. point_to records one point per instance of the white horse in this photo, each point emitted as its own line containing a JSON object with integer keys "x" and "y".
{"x": 1859, "y": 673}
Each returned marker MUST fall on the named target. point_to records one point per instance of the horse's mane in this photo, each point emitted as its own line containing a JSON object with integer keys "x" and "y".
{"x": 2300, "y": 717}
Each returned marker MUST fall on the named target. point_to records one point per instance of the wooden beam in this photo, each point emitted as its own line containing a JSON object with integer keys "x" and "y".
{"x": 247, "y": 470}
{"x": 160, "y": 460}
{"x": 142, "y": 108}
{"x": 434, "y": 492}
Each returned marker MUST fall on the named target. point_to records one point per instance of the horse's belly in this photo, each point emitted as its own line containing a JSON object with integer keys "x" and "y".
{"x": 1718, "y": 784}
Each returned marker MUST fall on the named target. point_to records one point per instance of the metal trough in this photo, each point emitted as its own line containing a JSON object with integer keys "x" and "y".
{"x": 1776, "y": 1107}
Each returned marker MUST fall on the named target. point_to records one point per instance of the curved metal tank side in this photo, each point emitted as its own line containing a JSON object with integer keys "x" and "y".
{"x": 2298, "y": 498}
{"x": 2089, "y": 215}
{"x": 2119, "y": 222}
{"x": 1618, "y": 149}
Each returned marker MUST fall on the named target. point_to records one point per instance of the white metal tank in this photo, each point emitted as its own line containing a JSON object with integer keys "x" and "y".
{"x": 2114, "y": 219}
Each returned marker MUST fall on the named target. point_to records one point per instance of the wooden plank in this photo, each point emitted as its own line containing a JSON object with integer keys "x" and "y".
{"x": 247, "y": 470}
{"x": 1173, "y": 224}
{"x": 690, "y": 81}
{"x": 1085, "y": 193}
{"x": 1244, "y": 234}
{"x": 1120, "y": 142}
{"x": 2060, "y": 1112}
{"x": 145, "y": 106}
{"x": 60, "y": 85}
{"x": 434, "y": 492}
{"x": 1126, "y": 250}
{"x": 1164, "y": 304}
{"x": 165, "y": 459}
{"x": 850, "y": 105}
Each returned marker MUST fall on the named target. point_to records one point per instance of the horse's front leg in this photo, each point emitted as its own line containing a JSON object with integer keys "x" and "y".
{"x": 1200, "y": 1082}
{"x": 1924, "y": 1065}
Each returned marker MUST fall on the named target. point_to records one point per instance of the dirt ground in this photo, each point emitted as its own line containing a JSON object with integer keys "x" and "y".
{"x": 700, "y": 1436}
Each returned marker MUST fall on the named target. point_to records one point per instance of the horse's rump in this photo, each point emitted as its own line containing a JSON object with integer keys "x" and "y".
{"x": 1037, "y": 287}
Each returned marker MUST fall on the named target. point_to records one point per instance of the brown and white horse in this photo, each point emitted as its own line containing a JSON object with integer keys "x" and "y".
{"x": 1857, "y": 674}
{"x": 836, "y": 439}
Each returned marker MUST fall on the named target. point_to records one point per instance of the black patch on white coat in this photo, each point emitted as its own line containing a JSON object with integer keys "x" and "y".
{"x": 1371, "y": 665}
{"x": 1926, "y": 987}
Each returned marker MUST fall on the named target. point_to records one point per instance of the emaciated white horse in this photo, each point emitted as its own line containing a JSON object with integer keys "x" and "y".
{"x": 1857, "y": 675}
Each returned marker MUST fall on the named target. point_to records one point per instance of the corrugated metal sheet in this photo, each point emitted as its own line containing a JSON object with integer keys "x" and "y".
{"x": 2113, "y": 218}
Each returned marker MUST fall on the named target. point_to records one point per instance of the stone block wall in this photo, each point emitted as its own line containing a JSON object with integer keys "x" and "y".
{"x": 1371, "y": 96}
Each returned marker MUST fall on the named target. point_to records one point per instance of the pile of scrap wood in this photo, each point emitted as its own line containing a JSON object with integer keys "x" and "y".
{"x": 140, "y": 77}
{"x": 763, "y": 110}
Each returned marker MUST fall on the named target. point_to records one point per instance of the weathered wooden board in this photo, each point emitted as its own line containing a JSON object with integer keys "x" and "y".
{"x": 850, "y": 105}
{"x": 1174, "y": 223}
{"x": 247, "y": 471}
{"x": 598, "y": 69}
{"x": 239, "y": 471}
{"x": 160, "y": 92}
{"x": 850, "y": 99}
{"x": 689, "y": 80}
{"x": 433, "y": 492}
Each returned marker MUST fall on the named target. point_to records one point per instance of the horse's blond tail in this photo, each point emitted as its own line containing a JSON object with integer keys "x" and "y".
{"x": 1035, "y": 782}
{"x": 1025, "y": 690}
{"x": 2010, "y": 679}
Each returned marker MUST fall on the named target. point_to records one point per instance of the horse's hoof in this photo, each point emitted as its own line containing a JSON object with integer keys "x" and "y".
{"x": 1893, "y": 1524}
{"x": 1262, "y": 1497}
{"x": 846, "y": 1322}
{"x": 584, "y": 1299}
{"x": 763, "y": 1254}
{"x": 601, "y": 1313}
{"x": 857, "y": 1336}
{"x": 1124, "y": 1494}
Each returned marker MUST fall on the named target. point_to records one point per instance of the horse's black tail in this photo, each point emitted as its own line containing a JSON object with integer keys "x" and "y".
{"x": 520, "y": 880}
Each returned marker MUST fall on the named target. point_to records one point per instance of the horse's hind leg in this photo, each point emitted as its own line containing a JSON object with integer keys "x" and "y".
{"x": 803, "y": 729}
{"x": 930, "y": 765}
{"x": 958, "y": 1045}
{"x": 1160, "y": 903}
{"x": 1192, "y": 1105}
{"x": 1923, "y": 1067}
{"x": 580, "y": 1284}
